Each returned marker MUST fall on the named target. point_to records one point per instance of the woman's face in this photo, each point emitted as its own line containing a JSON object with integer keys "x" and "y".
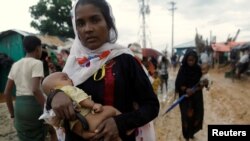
{"x": 191, "y": 61}
{"x": 91, "y": 26}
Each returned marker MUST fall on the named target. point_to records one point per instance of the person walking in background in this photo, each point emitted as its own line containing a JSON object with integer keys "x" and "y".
{"x": 163, "y": 70}
{"x": 106, "y": 71}
{"x": 146, "y": 61}
{"x": 243, "y": 63}
{"x": 174, "y": 61}
{"x": 203, "y": 57}
{"x": 137, "y": 51}
{"x": 156, "y": 82}
{"x": 26, "y": 75}
{"x": 233, "y": 61}
{"x": 187, "y": 82}
{"x": 154, "y": 61}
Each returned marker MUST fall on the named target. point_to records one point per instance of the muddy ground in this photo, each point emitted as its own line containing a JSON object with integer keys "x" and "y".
{"x": 227, "y": 102}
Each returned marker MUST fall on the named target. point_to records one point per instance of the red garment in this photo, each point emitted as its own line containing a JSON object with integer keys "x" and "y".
{"x": 109, "y": 85}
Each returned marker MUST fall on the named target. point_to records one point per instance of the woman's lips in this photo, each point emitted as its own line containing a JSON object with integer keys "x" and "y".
{"x": 91, "y": 39}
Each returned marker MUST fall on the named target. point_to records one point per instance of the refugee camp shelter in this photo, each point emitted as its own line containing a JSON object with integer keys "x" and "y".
{"x": 222, "y": 49}
{"x": 181, "y": 48}
{"x": 11, "y": 43}
{"x": 225, "y": 46}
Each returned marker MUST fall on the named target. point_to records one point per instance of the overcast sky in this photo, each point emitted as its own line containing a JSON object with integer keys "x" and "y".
{"x": 219, "y": 16}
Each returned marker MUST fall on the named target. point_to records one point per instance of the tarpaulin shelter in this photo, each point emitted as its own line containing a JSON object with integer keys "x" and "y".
{"x": 243, "y": 46}
{"x": 221, "y": 47}
{"x": 181, "y": 48}
{"x": 225, "y": 47}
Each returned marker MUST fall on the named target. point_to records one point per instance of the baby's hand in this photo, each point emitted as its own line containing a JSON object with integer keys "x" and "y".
{"x": 97, "y": 108}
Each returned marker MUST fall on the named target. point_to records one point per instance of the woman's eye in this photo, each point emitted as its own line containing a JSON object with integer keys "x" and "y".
{"x": 95, "y": 21}
{"x": 80, "y": 24}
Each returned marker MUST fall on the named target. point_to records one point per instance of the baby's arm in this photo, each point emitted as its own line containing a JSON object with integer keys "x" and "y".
{"x": 91, "y": 105}
{"x": 81, "y": 98}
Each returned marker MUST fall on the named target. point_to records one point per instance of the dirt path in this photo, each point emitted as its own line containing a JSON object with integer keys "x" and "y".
{"x": 227, "y": 102}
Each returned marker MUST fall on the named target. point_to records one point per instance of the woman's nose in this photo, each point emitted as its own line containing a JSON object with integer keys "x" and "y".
{"x": 88, "y": 27}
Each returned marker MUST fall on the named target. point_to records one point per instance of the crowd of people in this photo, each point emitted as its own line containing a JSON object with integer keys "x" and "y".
{"x": 53, "y": 61}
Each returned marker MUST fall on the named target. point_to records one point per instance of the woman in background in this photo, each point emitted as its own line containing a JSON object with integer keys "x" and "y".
{"x": 187, "y": 82}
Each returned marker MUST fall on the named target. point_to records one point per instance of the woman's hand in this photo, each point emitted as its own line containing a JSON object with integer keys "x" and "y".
{"x": 63, "y": 106}
{"x": 107, "y": 131}
{"x": 189, "y": 92}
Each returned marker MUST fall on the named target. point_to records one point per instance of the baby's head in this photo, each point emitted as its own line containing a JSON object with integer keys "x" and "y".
{"x": 204, "y": 68}
{"x": 55, "y": 80}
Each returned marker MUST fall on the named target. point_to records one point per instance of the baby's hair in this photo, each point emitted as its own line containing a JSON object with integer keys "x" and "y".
{"x": 47, "y": 87}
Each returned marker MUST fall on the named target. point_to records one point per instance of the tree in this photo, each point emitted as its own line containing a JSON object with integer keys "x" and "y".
{"x": 53, "y": 17}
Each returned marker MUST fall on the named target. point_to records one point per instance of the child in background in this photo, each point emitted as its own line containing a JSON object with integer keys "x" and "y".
{"x": 205, "y": 76}
{"x": 156, "y": 82}
{"x": 93, "y": 112}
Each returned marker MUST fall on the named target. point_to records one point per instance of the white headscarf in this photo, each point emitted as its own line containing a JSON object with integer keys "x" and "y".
{"x": 137, "y": 50}
{"x": 78, "y": 73}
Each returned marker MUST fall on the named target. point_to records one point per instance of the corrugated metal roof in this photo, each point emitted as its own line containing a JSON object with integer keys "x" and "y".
{"x": 190, "y": 44}
{"x": 46, "y": 39}
{"x": 7, "y": 32}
